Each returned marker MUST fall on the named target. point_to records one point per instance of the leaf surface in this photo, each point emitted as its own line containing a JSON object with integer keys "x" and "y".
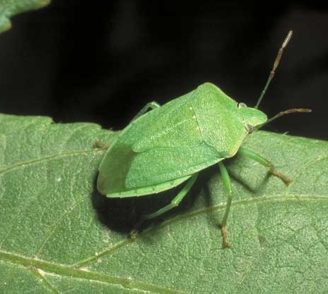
{"x": 58, "y": 234}
{"x": 9, "y": 8}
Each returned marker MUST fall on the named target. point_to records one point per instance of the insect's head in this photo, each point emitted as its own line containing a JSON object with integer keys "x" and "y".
{"x": 254, "y": 119}
{"x": 251, "y": 117}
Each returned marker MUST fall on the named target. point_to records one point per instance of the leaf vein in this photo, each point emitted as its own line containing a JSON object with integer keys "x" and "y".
{"x": 64, "y": 270}
{"x": 24, "y": 164}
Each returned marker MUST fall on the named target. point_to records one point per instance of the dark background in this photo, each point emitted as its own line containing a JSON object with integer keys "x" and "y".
{"x": 102, "y": 61}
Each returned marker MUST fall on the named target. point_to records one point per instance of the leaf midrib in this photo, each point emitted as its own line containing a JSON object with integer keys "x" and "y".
{"x": 64, "y": 270}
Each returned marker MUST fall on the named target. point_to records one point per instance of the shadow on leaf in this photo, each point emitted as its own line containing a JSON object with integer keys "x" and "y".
{"x": 124, "y": 214}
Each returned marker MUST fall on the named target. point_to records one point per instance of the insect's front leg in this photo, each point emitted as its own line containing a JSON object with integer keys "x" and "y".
{"x": 148, "y": 106}
{"x": 260, "y": 159}
{"x": 176, "y": 200}
{"x": 174, "y": 203}
{"x": 228, "y": 190}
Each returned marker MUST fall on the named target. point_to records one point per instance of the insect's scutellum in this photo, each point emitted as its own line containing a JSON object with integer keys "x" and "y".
{"x": 171, "y": 144}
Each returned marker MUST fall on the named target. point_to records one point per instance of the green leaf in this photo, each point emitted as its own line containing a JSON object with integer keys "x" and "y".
{"x": 9, "y": 8}
{"x": 58, "y": 234}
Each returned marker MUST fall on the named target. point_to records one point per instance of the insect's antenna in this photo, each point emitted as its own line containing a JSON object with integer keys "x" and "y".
{"x": 274, "y": 67}
{"x": 282, "y": 113}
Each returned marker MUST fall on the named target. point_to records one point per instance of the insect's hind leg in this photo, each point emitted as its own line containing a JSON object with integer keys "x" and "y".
{"x": 149, "y": 106}
{"x": 228, "y": 190}
{"x": 260, "y": 159}
{"x": 176, "y": 200}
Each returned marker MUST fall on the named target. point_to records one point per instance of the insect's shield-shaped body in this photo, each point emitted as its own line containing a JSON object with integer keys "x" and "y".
{"x": 167, "y": 145}
{"x": 171, "y": 144}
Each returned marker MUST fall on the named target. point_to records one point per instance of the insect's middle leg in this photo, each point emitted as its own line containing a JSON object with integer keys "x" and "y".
{"x": 149, "y": 106}
{"x": 175, "y": 201}
{"x": 228, "y": 190}
{"x": 253, "y": 155}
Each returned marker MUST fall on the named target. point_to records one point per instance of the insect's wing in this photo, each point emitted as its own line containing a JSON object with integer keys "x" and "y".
{"x": 166, "y": 146}
{"x": 156, "y": 152}
{"x": 151, "y": 171}
{"x": 176, "y": 162}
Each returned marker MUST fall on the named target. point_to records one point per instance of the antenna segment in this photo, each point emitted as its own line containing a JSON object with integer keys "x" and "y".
{"x": 274, "y": 67}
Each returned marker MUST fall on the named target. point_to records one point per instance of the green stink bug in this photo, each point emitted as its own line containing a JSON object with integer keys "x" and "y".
{"x": 171, "y": 144}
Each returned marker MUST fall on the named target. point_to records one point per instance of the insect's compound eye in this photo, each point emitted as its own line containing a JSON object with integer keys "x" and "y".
{"x": 242, "y": 105}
